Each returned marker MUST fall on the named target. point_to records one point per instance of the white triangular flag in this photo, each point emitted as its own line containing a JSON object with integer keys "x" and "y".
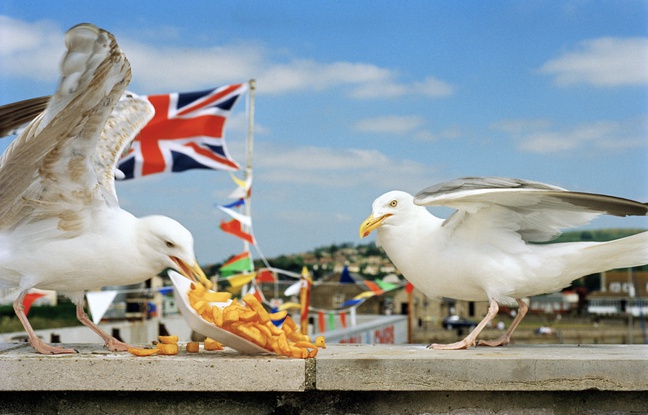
{"x": 244, "y": 219}
{"x": 293, "y": 289}
{"x": 98, "y": 303}
{"x": 243, "y": 187}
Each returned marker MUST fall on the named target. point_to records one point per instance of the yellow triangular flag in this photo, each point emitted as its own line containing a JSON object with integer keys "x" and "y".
{"x": 365, "y": 294}
{"x": 243, "y": 184}
{"x": 288, "y": 306}
{"x": 241, "y": 279}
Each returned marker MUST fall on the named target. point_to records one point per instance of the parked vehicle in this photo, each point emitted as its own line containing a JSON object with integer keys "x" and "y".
{"x": 456, "y": 322}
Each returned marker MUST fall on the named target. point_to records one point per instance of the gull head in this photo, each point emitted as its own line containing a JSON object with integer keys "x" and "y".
{"x": 171, "y": 245}
{"x": 390, "y": 209}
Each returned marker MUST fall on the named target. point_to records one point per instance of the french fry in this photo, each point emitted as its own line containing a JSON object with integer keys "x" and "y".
{"x": 320, "y": 342}
{"x": 200, "y": 306}
{"x": 251, "y": 333}
{"x": 279, "y": 315}
{"x": 298, "y": 337}
{"x": 208, "y": 314}
{"x": 276, "y": 331}
{"x": 274, "y": 345}
{"x": 252, "y": 301}
{"x": 211, "y": 344}
{"x": 142, "y": 352}
{"x": 167, "y": 349}
{"x": 230, "y": 316}
{"x": 168, "y": 339}
{"x": 298, "y": 352}
{"x": 305, "y": 345}
{"x": 248, "y": 315}
{"x": 217, "y": 316}
{"x": 282, "y": 341}
{"x": 216, "y": 297}
{"x": 289, "y": 322}
{"x": 287, "y": 328}
{"x": 198, "y": 288}
{"x": 193, "y": 347}
{"x": 264, "y": 329}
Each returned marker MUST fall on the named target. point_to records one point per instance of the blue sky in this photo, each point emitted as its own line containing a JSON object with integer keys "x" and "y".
{"x": 358, "y": 98}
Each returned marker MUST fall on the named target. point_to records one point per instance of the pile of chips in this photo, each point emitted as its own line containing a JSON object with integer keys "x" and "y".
{"x": 250, "y": 320}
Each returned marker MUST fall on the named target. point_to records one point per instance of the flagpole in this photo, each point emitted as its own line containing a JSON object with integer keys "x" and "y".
{"x": 250, "y": 147}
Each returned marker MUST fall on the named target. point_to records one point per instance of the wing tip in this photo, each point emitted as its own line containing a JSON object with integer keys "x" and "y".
{"x": 476, "y": 183}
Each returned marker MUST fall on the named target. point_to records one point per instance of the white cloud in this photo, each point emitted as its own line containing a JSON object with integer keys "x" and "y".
{"x": 337, "y": 168}
{"x": 322, "y": 158}
{"x": 183, "y": 68}
{"x": 450, "y": 133}
{"x": 540, "y": 136}
{"x": 302, "y": 74}
{"x": 33, "y": 50}
{"x": 521, "y": 126}
{"x": 393, "y": 124}
{"x": 411, "y": 125}
{"x": 602, "y": 62}
{"x": 390, "y": 88}
{"x": 30, "y": 50}
{"x": 304, "y": 217}
{"x": 157, "y": 69}
{"x": 433, "y": 87}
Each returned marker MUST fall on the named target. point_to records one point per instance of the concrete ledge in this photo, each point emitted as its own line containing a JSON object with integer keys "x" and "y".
{"x": 339, "y": 367}
{"x": 377, "y": 379}
{"x": 511, "y": 368}
{"x": 96, "y": 369}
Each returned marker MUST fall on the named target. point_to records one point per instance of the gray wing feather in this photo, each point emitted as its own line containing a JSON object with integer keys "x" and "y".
{"x": 480, "y": 183}
{"x": 15, "y": 116}
{"x": 130, "y": 115}
{"x": 536, "y": 211}
{"x": 517, "y": 192}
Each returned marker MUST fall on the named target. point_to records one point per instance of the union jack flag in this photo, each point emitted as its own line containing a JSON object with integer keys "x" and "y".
{"x": 185, "y": 133}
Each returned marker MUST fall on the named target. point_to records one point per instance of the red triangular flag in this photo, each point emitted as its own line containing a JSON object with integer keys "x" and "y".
{"x": 320, "y": 321}
{"x": 259, "y": 295}
{"x": 265, "y": 275}
{"x": 373, "y": 287}
{"x": 409, "y": 287}
{"x": 343, "y": 319}
{"x": 255, "y": 291}
{"x": 233, "y": 227}
{"x": 29, "y": 300}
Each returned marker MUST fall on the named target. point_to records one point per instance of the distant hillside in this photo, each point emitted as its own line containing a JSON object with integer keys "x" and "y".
{"x": 598, "y": 235}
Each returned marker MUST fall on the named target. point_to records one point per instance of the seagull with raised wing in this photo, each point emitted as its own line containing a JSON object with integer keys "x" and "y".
{"x": 61, "y": 227}
{"x": 490, "y": 248}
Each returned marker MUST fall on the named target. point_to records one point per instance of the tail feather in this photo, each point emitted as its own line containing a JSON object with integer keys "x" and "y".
{"x": 631, "y": 251}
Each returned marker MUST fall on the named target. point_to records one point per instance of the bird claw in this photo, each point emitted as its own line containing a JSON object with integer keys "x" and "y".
{"x": 44, "y": 348}
{"x": 493, "y": 343}
{"x": 115, "y": 345}
{"x": 464, "y": 344}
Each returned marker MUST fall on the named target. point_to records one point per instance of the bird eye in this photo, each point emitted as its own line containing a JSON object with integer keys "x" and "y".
{"x": 393, "y": 203}
{"x": 170, "y": 244}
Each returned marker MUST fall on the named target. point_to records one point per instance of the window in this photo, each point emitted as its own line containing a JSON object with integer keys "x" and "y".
{"x": 337, "y": 300}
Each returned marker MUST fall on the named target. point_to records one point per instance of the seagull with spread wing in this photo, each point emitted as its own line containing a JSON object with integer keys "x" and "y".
{"x": 489, "y": 248}
{"x": 61, "y": 227}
